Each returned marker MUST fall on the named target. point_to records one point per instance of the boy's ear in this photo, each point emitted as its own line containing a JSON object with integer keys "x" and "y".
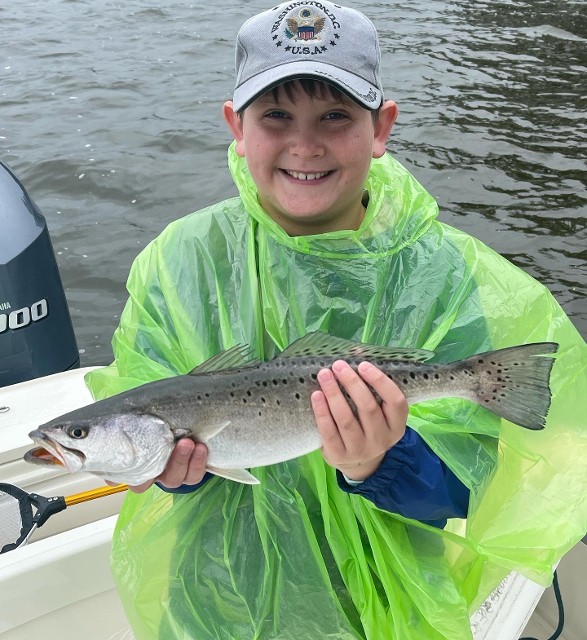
{"x": 235, "y": 124}
{"x": 387, "y": 116}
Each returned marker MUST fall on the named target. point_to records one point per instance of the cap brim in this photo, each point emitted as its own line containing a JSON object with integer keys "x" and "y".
{"x": 358, "y": 89}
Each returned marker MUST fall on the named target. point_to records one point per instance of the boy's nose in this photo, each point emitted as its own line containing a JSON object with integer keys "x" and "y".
{"x": 306, "y": 143}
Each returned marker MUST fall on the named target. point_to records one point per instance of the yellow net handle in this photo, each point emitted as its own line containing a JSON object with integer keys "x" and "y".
{"x": 92, "y": 494}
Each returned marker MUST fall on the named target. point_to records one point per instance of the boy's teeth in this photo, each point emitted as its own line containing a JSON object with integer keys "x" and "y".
{"x": 307, "y": 176}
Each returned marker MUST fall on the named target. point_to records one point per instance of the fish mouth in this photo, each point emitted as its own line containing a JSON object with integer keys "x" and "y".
{"x": 52, "y": 453}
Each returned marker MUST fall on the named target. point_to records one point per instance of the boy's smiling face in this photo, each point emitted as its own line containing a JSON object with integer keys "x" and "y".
{"x": 309, "y": 156}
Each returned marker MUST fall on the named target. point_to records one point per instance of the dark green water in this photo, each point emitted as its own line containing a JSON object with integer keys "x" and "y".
{"x": 110, "y": 115}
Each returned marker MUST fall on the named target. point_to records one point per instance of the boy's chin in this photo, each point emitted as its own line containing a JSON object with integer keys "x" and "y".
{"x": 306, "y": 222}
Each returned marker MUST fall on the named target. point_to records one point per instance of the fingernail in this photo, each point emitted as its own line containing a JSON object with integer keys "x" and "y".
{"x": 185, "y": 446}
{"x": 317, "y": 397}
{"x": 200, "y": 450}
{"x": 366, "y": 367}
{"x": 339, "y": 366}
{"x": 325, "y": 375}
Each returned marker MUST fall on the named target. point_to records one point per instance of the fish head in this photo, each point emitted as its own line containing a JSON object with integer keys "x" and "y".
{"x": 125, "y": 448}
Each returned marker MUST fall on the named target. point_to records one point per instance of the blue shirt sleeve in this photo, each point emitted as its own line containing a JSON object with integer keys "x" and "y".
{"x": 185, "y": 488}
{"x": 414, "y": 482}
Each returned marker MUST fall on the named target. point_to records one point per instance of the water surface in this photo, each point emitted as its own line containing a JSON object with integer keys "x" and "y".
{"x": 110, "y": 114}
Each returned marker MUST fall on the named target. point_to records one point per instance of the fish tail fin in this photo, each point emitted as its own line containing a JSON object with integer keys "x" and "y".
{"x": 514, "y": 382}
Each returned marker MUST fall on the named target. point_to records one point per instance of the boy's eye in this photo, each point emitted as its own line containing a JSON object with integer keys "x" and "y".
{"x": 276, "y": 114}
{"x": 335, "y": 115}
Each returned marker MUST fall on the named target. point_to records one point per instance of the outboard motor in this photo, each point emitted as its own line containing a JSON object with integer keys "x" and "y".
{"x": 36, "y": 333}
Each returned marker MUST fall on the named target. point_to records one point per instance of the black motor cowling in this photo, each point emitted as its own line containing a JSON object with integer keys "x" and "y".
{"x": 36, "y": 333}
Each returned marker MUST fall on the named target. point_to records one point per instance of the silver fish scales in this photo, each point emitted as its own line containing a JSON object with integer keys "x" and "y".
{"x": 252, "y": 413}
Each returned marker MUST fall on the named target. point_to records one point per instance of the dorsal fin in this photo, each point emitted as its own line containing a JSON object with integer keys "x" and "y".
{"x": 236, "y": 357}
{"x": 318, "y": 343}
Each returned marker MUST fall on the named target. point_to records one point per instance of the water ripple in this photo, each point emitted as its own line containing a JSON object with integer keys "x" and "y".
{"x": 110, "y": 113}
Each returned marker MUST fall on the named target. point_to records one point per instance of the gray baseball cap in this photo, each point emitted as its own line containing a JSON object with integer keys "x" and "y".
{"x": 308, "y": 39}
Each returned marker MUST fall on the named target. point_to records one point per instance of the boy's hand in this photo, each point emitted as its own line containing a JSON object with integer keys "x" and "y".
{"x": 187, "y": 465}
{"x": 355, "y": 443}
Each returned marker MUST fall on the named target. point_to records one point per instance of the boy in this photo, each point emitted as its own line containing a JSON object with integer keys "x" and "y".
{"x": 329, "y": 233}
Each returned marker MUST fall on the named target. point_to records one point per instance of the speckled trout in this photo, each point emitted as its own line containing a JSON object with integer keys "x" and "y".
{"x": 251, "y": 413}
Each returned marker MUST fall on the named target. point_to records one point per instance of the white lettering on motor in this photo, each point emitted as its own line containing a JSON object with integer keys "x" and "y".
{"x": 20, "y": 318}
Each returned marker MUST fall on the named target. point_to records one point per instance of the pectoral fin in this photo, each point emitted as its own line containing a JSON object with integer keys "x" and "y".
{"x": 201, "y": 434}
{"x": 237, "y": 475}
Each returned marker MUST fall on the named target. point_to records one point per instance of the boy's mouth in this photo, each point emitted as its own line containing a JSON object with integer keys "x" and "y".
{"x": 299, "y": 175}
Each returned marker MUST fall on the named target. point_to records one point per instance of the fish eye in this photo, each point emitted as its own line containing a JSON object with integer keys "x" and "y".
{"x": 77, "y": 432}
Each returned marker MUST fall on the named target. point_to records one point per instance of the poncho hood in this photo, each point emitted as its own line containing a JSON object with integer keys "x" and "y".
{"x": 391, "y": 220}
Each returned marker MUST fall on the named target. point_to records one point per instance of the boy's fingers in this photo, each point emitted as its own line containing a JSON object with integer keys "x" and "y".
{"x": 369, "y": 414}
{"x": 331, "y": 441}
{"x": 197, "y": 465}
{"x": 187, "y": 465}
{"x": 393, "y": 402}
{"x": 342, "y": 413}
{"x": 176, "y": 470}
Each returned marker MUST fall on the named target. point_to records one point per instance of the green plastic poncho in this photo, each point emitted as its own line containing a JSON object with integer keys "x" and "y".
{"x": 295, "y": 557}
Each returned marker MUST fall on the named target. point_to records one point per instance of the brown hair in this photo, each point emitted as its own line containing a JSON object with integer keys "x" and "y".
{"x": 315, "y": 89}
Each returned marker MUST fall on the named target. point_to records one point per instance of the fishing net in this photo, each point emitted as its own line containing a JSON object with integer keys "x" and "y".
{"x": 16, "y": 517}
{"x": 21, "y": 513}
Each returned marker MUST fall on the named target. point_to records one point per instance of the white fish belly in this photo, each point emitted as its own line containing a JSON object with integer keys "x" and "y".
{"x": 250, "y": 443}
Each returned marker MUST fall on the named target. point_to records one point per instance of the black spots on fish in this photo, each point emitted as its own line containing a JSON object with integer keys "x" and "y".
{"x": 297, "y": 396}
{"x": 514, "y": 382}
{"x": 418, "y": 377}
{"x": 496, "y": 397}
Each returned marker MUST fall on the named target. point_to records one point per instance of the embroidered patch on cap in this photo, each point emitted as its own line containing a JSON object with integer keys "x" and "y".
{"x": 306, "y": 31}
